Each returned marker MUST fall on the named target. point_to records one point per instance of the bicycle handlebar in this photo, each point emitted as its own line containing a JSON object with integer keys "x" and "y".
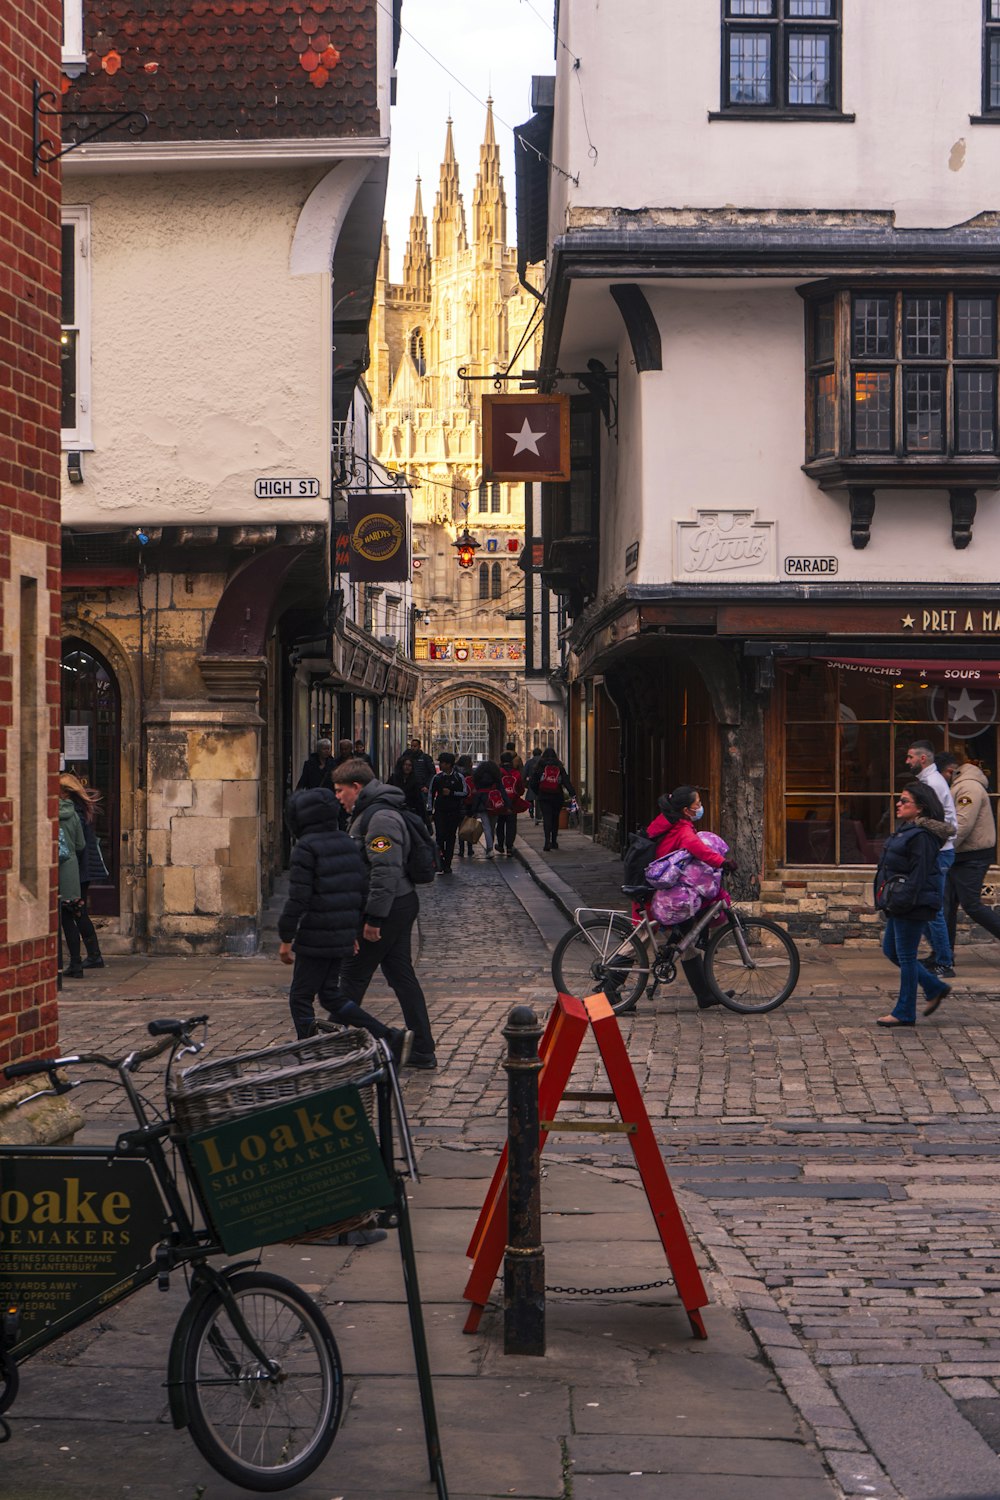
{"x": 167, "y": 1033}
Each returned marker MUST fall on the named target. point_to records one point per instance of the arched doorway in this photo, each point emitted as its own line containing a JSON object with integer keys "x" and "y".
{"x": 468, "y": 725}
{"x": 91, "y": 737}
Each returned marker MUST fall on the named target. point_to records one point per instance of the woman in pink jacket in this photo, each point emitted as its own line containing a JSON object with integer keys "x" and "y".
{"x": 674, "y": 829}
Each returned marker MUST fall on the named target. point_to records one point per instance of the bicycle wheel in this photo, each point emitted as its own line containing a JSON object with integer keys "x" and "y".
{"x": 755, "y": 980}
{"x": 263, "y": 1428}
{"x": 602, "y": 956}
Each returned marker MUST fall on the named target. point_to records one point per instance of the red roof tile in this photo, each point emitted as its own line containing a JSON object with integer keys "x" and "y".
{"x": 227, "y": 69}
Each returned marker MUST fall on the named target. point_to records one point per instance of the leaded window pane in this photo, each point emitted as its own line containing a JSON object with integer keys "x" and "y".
{"x": 873, "y": 411}
{"x": 484, "y": 580}
{"x": 826, "y": 409}
{"x": 750, "y": 67}
{"x": 751, "y": 7}
{"x": 872, "y": 326}
{"x": 495, "y": 498}
{"x": 923, "y": 327}
{"x": 809, "y": 72}
{"x": 823, "y": 345}
{"x": 976, "y": 406}
{"x": 994, "y": 72}
{"x": 975, "y": 326}
{"x": 810, "y": 7}
{"x": 923, "y": 392}
{"x": 995, "y": 10}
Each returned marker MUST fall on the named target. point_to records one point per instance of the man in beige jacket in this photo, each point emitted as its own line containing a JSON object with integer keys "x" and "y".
{"x": 975, "y": 845}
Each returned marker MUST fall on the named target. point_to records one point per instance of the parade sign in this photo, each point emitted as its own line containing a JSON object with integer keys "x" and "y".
{"x": 526, "y": 438}
{"x": 290, "y": 1169}
{"x": 73, "y": 1228}
{"x": 376, "y": 526}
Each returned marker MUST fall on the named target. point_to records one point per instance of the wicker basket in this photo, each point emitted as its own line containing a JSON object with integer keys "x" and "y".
{"x": 215, "y": 1092}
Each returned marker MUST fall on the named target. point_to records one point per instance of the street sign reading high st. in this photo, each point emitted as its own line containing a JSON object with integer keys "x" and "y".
{"x": 286, "y": 489}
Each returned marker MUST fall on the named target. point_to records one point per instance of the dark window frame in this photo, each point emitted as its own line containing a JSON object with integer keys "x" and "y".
{"x": 846, "y": 362}
{"x": 780, "y": 26}
{"x": 991, "y": 33}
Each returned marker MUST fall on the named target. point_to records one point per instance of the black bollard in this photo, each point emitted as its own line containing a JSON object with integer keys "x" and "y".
{"x": 524, "y": 1257}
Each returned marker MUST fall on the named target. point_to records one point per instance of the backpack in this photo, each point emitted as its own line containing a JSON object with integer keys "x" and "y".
{"x": 639, "y": 852}
{"x": 66, "y": 850}
{"x": 495, "y": 802}
{"x": 550, "y": 780}
{"x": 422, "y": 860}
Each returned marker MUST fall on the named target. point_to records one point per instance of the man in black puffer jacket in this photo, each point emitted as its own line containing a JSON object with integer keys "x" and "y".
{"x": 322, "y": 916}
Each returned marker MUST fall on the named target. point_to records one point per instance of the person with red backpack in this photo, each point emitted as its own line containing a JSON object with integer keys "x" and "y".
{"x": 551, "y": 786}
{"x": 513, "y": 785}
{"x": 488, "y": 800}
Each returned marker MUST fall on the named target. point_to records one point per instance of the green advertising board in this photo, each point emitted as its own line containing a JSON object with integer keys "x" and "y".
{"x": 291, "y": 1168}
{"x": 72, "y": 1229}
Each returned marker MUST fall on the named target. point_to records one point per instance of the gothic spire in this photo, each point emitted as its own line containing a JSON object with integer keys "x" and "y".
{"x": 417, "y": 258}
{"x": 449, "y": 211}
{"x": 489, "y": 203}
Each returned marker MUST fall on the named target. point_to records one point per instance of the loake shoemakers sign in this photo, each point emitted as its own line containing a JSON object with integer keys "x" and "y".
{"x": 287, "y": 1170}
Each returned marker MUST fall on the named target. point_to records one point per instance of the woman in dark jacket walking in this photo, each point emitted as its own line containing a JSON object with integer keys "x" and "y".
{"x": 551, "y": 786}
{"x": 488, "y": 800}
{"x": 907, "y": 891}
{"x": 408, "y": 779}
{"x": 322, "y": 917}
{"x": 92, "y": 866}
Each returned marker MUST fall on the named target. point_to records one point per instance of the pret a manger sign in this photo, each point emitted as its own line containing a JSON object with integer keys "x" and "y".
{"x": 292, "y": 1168}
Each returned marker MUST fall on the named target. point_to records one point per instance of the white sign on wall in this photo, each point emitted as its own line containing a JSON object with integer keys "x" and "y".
{"x": 726, "y": 543}
{"x": 76, "y": 741}
{"x": 286, "y": 489}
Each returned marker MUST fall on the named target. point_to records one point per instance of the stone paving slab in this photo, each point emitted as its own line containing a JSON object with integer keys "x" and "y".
{"x": 930, "y": 1451}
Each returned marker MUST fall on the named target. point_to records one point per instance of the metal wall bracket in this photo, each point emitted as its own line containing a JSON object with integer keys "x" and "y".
{"x": 45, "y": 106}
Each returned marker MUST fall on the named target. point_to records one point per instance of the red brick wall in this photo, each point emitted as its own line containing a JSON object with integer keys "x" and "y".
{"x": 29, "y": 487}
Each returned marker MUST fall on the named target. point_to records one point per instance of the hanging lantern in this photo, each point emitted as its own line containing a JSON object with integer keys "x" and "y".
{"x": 467, "y": 547}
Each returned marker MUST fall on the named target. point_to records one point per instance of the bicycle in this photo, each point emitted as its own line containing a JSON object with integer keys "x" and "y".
{"x": 253, "y": 1371}
{"x": 751, "y": 964}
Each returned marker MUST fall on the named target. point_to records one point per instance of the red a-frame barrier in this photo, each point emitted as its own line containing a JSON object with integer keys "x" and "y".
{"x": 567, "y": 1025}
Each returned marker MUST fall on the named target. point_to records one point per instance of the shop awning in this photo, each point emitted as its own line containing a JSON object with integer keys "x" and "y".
{"x": 975, "y": 673}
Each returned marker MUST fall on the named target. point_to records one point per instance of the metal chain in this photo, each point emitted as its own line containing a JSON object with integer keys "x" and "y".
{"x": 607, "y": 1291}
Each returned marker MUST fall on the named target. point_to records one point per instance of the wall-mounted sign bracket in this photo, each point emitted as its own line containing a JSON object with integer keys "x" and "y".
{"x": 87, "y": 124}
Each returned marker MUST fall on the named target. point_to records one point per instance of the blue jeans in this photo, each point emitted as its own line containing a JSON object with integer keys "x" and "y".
{"x": 937, "y": 928}
{"x": 899, "y": 944}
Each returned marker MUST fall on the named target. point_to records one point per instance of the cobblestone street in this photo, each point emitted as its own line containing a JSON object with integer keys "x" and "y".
{"x": 841, "y": 1181}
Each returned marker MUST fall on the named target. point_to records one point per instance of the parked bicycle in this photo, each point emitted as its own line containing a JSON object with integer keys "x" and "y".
{"x": 751, "y": 964}
{"x": 253, "y": 1371}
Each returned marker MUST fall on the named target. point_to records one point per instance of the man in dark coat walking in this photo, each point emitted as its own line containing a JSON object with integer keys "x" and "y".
{"x": 390, "y": 901}
{"x": 322, "y": 915}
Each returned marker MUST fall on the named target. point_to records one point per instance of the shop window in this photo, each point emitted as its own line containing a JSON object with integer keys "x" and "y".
{"x": 846, "y": 737}
{"x": 991, "y": 58}
{"x": 74, "y": 339}
{"x": 781, "y": 58}
{"x": 905, "y": 377}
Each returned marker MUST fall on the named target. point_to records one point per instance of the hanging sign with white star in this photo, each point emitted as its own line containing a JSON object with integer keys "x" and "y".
{"x": 526, "y": 438}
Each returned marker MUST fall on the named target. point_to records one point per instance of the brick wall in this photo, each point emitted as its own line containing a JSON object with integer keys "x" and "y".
{"x": 29, "y": 537}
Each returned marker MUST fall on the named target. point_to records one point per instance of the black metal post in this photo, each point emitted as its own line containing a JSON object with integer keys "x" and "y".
{"x": 524, "y": 1257}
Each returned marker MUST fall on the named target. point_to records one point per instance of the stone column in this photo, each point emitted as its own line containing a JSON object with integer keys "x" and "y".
{"x": 203, "y": 814}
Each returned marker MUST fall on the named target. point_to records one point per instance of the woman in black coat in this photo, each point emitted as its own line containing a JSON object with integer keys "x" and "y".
{"x": 551, "y": 787}
{"x": 907, "y": 891}
{"x": 407, "y": 778}
{"x": 92, "y": 866}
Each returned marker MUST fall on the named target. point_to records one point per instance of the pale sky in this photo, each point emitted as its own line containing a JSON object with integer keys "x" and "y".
{"x": 494, "y": 47}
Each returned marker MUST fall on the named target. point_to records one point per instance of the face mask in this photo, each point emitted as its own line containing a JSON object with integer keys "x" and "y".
{"x": 696, "y": 815}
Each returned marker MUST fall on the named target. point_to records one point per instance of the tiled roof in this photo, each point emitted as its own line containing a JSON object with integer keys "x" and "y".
{"x": 233, "y": 69}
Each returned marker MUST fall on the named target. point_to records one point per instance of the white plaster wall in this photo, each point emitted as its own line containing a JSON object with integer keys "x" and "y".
{"x": 210, "y": 361}
{"x": 650, "y": 74}
{"x": 722, "y": 425}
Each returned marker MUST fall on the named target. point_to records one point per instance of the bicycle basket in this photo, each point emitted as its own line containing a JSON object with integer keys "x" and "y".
{"x": 230, "y": 1088}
